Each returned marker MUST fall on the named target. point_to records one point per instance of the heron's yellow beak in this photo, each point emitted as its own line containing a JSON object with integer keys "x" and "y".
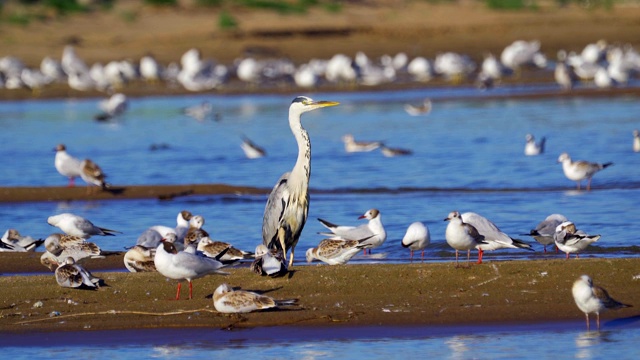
{"x": 326, "y": 103}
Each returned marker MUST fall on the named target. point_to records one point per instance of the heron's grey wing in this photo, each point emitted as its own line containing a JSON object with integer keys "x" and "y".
{"x": 274, "y": 210}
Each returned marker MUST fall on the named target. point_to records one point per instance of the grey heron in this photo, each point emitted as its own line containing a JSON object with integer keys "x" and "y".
{"x": 288, "y": 204}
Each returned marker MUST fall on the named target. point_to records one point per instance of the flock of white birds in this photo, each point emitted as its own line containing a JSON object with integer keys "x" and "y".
{"x": 600, "y": 63}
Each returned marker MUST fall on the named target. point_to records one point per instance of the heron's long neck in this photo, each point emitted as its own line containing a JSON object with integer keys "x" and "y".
{"x": 302, "y": 170}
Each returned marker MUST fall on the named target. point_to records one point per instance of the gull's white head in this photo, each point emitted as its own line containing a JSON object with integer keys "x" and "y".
{"x": 564, "y": 157}
{"x": 222, "y": 289}
{"x": 261, "y": 250}
{"x": 309, "y": 255}
{"x": 452, "y": 215}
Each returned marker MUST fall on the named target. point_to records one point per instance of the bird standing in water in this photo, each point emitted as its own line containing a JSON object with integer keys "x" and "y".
{"x": 288, "y": 205}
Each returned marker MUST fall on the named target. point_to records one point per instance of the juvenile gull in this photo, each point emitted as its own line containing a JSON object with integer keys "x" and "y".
{"x": 230, "y": 301}
{"x": 251, "y": 150}
{"x": 580, "y": 170}
{"x": 59, "y": 247}
{"x": 373, "y": 231}
{"x": 13, "y": 241}
{"x": 591, "y": 299}
{"x": 140, "y": 259}
{"x": 335, "y": 251}
{"x": 72, "y": 275}
{"x": 351, "y": 145}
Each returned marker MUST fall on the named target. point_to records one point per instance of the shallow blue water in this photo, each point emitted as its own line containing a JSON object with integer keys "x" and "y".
{"x": 468, "y": 156}
{"x": 618, "y": 338}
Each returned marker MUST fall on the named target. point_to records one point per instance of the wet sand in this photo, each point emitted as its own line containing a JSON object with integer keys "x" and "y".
{"x": 351, "y": 295}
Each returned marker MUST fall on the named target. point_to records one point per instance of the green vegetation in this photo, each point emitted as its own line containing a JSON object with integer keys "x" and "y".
{"x": 226, "y": 21}
{"x": 161, "y": 2}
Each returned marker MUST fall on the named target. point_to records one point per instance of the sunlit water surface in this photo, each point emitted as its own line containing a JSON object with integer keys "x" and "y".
{"x": 468, "y": 156}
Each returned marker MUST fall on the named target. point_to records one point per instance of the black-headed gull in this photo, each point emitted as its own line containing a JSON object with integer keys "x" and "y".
{"x": 78, "y": 226}
{"x": 417, "y": 238}
{"x": 580, "y": 170}
{"x": 140, "y": 259}
{"x": 200, "y": 111}
{"x": 461, "y": 236}
{"x": 531, "y": 148}
{"x": 373, "y": 231}
{"x": 13, "y": 241}
{"x": 67, "y": 165}
{"x": 543, "y": 233}
{"x": 571, "y": 240}
{"x": 59, "y": 247}
{"x": 494, "y": 239}
{"x": 112, "y": 107}
{"x": 72, "y": 275}
{"x": 269, "y": 262}
{"x": 335, "y": 251}
{"x": 229, "y": 301}
{"x": 351, "y": 145}
{"x": 182, "y": 265}
{"x": 591, "y": 299}
{"x": 151, "y": 237}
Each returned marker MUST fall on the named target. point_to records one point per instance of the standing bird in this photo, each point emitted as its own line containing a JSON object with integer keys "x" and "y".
{"x": 580, "y": 170}
{"x": 416, "y": 238}
{"x": 531, "y": 148}
{"x": 335, "y": 251}
{"x": 229, "y": 301}
{"x": 373, "y": 232}
{"x": 494, "y": 239}
{"x": 92, "y": 174}
{"x": 570, "y": 240}
{"x": 543, "y": 233}
{"x": 593, "y": 299}
{"x": 461, "y": 236}
{"x": 288, "y": 205}
{"x": 72, "y": 275}
{"x": 66, "y": 164}
{"x": 78, "y": 226}
{"x": 636, "y": 141}
{"x": 181, "y": 265}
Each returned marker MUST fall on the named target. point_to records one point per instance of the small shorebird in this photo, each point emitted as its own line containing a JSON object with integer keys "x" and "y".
{"x": 229, "y": 301}
{"x": 591, "y": 298}
{"x": 373, "y": 231}
{"x": 543, "y": 233}
{"x": 461, "y": 236}
{"x": 72, "y": 275}
{"x": 78, "y": 226}
{"x": 66, "y": 164}
{"x": 580, "y": 170}
{"x": 417, "y": 238}
{"x": 335, "y": 251}
{"x": 531, "y": 148}
{"x": 351, "y": 145}
{"x": 570, "y": 240}
{"x": 419, "y": 110}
